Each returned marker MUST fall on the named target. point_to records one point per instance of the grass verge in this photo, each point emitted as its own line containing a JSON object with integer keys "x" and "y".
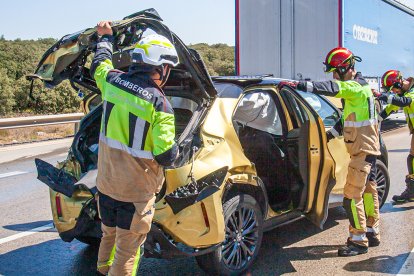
{"x": 35, "y": 134}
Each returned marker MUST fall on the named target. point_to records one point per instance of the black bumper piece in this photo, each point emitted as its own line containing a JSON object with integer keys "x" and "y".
{"x": 159, "y": 246}
{"x": 58, "y": 180}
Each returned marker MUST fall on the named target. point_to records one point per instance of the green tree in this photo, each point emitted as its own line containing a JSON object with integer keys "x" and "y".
{"x": 19, "y": 58}
{"x": 7, "y": 101}
{"x": 219, "y": 58}
{"x": 61, "y": 99}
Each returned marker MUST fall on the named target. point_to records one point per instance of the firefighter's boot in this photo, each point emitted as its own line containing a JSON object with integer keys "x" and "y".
{"x": 408, "y": 194}
{"x": 373, "y": 239}
{"x": 352, "y": 249}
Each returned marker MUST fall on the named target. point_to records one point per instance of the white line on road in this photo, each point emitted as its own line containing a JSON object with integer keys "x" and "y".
{"x": 26, "y": 233}
{"x": 408, "y": 266}
{"x": 4, "y": 175}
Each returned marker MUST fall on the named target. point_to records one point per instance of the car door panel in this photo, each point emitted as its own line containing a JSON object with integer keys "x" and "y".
{"x": 313, "y": 155}
{"x": 318, "y": 180}
{"x": 325, "y": 182}
{"x": 341, "y": 158}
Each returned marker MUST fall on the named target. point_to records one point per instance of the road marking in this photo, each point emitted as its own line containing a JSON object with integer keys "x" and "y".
{"x": 26, "y": 233}
{"x": 4, "y": 175}
{"x": 408, "y": 267}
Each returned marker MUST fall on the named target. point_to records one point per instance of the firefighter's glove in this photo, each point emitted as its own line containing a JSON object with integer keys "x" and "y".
{"x": 305, "y": 86}
{"x": 291, "y": 84}
{"x": 329, "y": 135}
{"x": 384, "y": 97}
{"x": 334, "y": 131}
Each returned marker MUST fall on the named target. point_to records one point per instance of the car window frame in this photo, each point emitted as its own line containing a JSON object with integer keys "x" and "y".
{"x": 297, "y": 117}
{"x": 276, "y": 100}
{"x": 327, "y": 103}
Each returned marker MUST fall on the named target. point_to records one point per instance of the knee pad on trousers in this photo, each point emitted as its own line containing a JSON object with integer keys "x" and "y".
{"x": 351, "y": 212}
{"x": 369, "y": 205}
{"x": 410, "y": 165}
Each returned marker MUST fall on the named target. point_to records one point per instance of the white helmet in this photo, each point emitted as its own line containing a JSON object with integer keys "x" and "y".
{"x": 155, "y": 50}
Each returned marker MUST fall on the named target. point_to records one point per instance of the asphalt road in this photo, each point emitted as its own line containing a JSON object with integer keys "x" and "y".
{"x": 299, "y": 247}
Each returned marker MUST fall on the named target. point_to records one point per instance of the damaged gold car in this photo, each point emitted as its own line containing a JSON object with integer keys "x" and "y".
{"x": 252, "y": 156}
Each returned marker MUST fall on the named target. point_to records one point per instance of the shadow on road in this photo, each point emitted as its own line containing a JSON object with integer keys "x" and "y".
{"x": 389, "y": 125}
{"x": 29, "y": 226}
{"x": 53, "y": 257}
{"x": 56, "y": 257}
{"x": 392, "y": 208}
{"x": 274, "y": 259}
{"x": 378, "y": 264}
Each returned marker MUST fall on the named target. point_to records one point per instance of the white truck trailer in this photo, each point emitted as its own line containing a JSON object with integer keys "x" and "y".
{"x": 290, "y": 38}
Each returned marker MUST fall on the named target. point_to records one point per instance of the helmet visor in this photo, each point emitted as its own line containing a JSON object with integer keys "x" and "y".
{"x": 387, "y": 88}
{"x": 328, "y": 68}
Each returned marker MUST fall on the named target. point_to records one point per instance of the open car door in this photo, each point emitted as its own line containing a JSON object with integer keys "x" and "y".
{"x": 308, "y": 127}
{"x": 334, "y": 153}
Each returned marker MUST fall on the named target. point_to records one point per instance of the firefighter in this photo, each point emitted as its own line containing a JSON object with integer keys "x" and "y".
{"x": 136, "y": 139}
{"x": 360, "y": 131}
{"x": 402, "y": 96}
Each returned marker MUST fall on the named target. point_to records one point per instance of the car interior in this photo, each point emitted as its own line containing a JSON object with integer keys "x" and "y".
{"x": 263, "y": 133}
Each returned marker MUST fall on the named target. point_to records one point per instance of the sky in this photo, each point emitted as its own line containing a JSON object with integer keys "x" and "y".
{"x": 194, "y": 21}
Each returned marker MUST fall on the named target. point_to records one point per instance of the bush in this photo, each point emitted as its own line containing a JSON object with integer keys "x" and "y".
{"x": 219, "y": 58}
{"x": 19, "y": 58}
{"x": 7, "y": 101}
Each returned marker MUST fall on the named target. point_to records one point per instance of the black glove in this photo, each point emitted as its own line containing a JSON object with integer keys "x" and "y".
{"x": 329, "y": 135}
{"x": 302, "y": 86}
{"x": 383, "y": 97}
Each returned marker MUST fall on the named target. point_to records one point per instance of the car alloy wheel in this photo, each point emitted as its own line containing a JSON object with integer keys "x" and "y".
{"x": 242, "y": 235}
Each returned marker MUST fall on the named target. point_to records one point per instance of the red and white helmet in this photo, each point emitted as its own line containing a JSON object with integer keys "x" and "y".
{"x": 391, "y": 79}
{"x": 340, "y": 59}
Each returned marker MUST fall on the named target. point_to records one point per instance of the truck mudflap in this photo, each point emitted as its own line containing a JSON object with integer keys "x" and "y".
{"x": 61, "y": 181}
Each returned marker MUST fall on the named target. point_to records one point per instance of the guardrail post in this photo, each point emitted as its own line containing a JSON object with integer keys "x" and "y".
{"x": 76, "y": 127}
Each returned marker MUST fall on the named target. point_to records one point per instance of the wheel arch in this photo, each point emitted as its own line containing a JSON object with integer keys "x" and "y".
{"x": 257, "y": 192}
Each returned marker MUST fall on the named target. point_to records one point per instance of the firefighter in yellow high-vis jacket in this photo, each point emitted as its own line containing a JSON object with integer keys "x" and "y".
{"x": 402, "y": 96}
{"x": 136, "y": 139}
{"x": 360, "y": 131}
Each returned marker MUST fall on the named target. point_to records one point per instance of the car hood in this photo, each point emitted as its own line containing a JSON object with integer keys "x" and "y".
{"x": 68, "y": 57}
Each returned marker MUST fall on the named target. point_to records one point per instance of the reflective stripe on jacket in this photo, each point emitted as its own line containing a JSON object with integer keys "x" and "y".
{"x": 137, "y": 130}
{"x": 359, "y": 115}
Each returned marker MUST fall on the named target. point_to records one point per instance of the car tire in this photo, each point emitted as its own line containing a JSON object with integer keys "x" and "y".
{"x": 383, "y": 182}
{"x": 246, "y": 246}
{"x": 90, "y": 241}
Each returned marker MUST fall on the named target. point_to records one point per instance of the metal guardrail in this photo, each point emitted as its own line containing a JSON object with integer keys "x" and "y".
{"x": 11, "y": 123}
